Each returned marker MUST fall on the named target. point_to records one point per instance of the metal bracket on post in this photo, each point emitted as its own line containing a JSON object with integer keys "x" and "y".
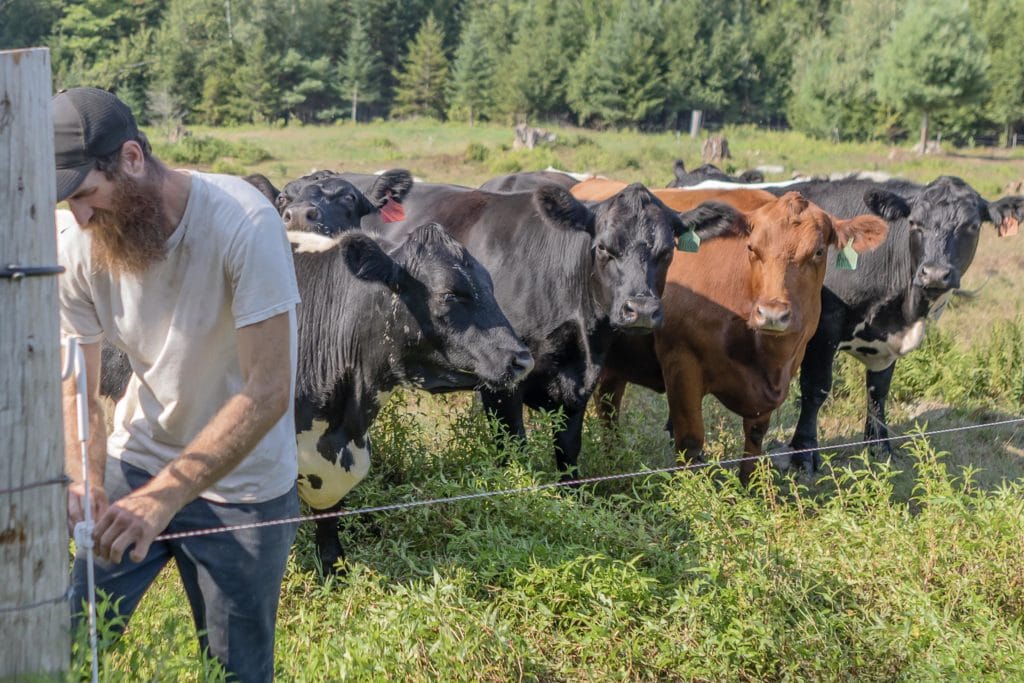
{"x": 12, "y": 271}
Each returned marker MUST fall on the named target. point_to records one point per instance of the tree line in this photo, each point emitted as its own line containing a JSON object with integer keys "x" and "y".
{"x": 845, "y": 69}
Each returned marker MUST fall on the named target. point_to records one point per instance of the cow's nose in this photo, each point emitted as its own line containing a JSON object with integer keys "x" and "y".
{"x": 522, "y": 364}
{"x": 641, "y": 312}
{"x": 937, "y": 277}
{"x": 300, "y": 216}
{"x": 773, "y": 316}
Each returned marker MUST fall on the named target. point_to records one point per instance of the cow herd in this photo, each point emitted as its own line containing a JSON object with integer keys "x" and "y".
{"x": 539, "y": 290}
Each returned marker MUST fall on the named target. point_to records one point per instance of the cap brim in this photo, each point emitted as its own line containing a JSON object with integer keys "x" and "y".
{"x": 69, "y": 179}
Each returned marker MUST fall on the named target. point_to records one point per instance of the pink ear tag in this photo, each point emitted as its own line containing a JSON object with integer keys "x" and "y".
{"x": 392, "y": 211}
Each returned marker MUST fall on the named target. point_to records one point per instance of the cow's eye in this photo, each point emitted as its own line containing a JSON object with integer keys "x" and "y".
{"x": 751, "y": 252}
{"x": 449, "y": 298}
{"x": 819, "y": 252}
{"x": 604, "y": 252}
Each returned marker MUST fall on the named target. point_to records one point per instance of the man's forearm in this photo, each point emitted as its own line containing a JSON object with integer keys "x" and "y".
{"x": 219, "y": 448}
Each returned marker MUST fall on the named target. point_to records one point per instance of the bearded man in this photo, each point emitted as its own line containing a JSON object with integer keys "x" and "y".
{"x": 191, "y": 275}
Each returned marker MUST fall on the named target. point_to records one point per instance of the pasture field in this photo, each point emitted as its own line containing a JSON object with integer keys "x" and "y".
{"x": 905, "y": 569}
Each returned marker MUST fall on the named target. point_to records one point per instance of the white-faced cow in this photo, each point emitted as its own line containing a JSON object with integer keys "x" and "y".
{"x": 566, "y": 274}
{"x": 878, "y": 312}
{"x": 324, "y": 203}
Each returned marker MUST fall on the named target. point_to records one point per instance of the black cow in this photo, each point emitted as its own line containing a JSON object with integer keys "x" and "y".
{"x": 684, "y": 178}
{"x": 528, "y": 181}
{"x": 878, "y": 312}
{"x": 567, "y": 276}
{"x": 324, "y": 203}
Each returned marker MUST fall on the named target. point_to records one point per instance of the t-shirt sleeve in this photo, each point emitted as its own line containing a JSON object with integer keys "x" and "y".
{"x": 78, "y": 316}
{"x": 261, "y": 270}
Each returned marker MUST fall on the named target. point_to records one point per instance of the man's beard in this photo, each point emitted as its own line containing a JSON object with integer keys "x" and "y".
{"x": 130, "y": 236}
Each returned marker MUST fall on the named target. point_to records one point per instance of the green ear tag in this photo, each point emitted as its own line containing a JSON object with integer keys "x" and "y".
{"x": 689, "y": 241}
{"x": 847, "y": 258}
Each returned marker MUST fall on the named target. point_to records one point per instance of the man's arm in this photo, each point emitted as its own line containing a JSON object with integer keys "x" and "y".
{"x": 263, "y": 352}
{"x": 96, "y": 445}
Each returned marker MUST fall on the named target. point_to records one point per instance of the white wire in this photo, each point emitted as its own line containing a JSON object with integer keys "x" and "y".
{"x": 573, "y": 482}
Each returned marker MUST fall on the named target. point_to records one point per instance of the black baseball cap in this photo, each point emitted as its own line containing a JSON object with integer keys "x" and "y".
{"x": 88, "y": 123}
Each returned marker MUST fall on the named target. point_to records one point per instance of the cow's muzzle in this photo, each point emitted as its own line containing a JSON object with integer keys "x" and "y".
{"x": 937, "y": 277}
{"x": 772, "y": 316}
{"x": 642, "y": 313}
{"x": 301, "y": 217}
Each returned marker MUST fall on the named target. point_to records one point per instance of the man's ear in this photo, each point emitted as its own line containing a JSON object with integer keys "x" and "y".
{"x": 132, "y": 160}
{"x": 561, "y": 210}
{"x": 715, "y": 219}
{"x": 367, "y": 260}
{"x": 888, "y": 205}
{"x": 1006, "y": 214}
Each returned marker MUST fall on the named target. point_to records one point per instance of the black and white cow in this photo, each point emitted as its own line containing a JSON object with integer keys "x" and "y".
{"x": 567, "y": 275}
{"x": 878, "y": 312}
{"x": 424, "y": 315}
{"x": 684, "y": 178}
{"x": 324, "y": 203}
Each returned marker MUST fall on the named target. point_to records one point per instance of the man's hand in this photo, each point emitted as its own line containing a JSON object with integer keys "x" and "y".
{"x": 76, "y": 504}
{"x": 135, "y": 520}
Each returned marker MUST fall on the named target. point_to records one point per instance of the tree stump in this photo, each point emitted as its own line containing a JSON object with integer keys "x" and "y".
{"x": 716, "y": 148}
{"x": 528, "y": 138}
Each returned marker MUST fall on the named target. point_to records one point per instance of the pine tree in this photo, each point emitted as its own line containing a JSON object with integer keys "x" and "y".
{"x": 619, "y": 79}
{"x": 472, "y": 81}
{"x": 934, "y": 61}
{"x": 833, "y": 88}
{"x": 535, "y": 72}
{"x": 421, "y": 83}
{"x": 360, "y": 72}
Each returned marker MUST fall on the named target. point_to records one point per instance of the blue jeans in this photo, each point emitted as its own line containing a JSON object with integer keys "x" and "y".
{"x": 232, "y": 579}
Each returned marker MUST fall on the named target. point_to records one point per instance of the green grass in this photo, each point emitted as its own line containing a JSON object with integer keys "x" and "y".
{"x": 903, "y": 570}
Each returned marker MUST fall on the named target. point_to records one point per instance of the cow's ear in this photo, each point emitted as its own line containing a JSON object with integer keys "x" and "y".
{"x": 888, "y": 205}
{"x": 1006, "y": 214}
{"x": 367, "y": 260}
{"x": 561, "y": 210}
{"x": 715, "y": 219}
{"x": 679, "y": 169}
{"x": 396, "y": 183}
{"x": 866, "y": 232}
{"x": 263, "y": 184}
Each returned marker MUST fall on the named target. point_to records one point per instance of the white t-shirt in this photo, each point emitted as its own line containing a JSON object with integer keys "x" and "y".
{"x": 228, "y": 265}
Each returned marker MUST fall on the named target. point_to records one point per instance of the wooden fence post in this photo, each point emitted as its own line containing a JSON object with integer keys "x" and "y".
{"x": 34, "y": 616}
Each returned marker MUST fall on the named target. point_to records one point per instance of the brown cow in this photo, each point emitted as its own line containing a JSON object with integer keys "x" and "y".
{"x": 738, "y": 315}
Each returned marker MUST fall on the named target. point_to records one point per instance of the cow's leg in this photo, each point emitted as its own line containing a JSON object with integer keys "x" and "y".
{"x": 507, "y": 408}
{"x": 684, "y": 390}
{"x": 608, "y": 398}
{"x": 569, "y": 441}
{"x": 875, "y": 426}
{"x": 329, "y": 467}
{"x": 328, "y": 545}
{"x": 754, "y": 430}
{"x": 815, "y": 385}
